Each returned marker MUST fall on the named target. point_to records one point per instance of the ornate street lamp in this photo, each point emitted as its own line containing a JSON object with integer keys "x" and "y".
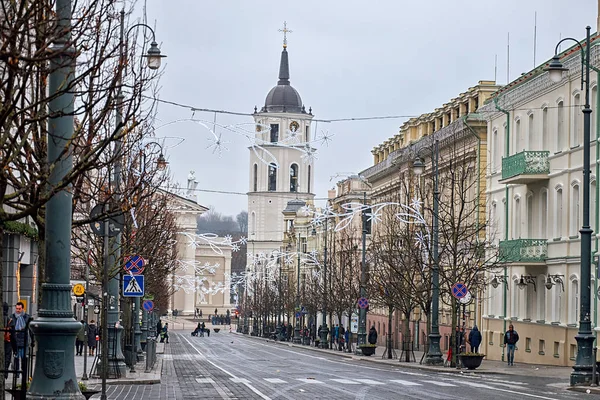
{"x": 582, "y": 370}
{"x": 434, "y": 353}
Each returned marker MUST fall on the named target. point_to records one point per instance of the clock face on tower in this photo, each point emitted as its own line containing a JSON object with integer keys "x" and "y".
{"x": 294, "y": 126}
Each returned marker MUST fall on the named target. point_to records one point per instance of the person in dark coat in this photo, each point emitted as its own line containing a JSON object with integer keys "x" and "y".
{"x": 80, "y": 339}
{"x": 475, "y": 339}
{"x": 92, "y": 332}
{"x": 20, "y": 336}
{"x": 159, "y": 327}
{"x": 511, "y": 337}
{"x": 372, "y": 335}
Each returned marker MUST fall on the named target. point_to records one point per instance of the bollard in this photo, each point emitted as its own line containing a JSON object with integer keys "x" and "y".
{"x": 594, "y": 368}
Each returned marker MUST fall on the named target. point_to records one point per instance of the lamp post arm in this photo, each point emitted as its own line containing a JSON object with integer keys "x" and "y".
{"x": 142, "y": 25}
{"x": 583, "y": 56}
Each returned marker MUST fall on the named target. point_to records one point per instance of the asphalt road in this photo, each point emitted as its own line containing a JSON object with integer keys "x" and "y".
{"x": 229, "y": 366}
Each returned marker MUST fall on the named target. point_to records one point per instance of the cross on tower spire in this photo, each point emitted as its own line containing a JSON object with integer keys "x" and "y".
{"x": 285, "y": 31}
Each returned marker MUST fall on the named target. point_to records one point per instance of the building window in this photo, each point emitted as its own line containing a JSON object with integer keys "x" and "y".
{"x": 307, "y": 134}
{"x": 574, "y": 231}
{"x": 494, "y": 151}
{"x": 560, "y": 123}
{"x": 573, "y": 352}
{"x": 517, "y": 219}
{"x": 308, "y": 184}
{"x": 530, "y": 132}
{"x": 294, "y": 178}
{"x": 575, "y": 134}
{"x": 518, "y": 139}
{"x": 274, "y": 133}
{"x": 528, "y": 344}
{"x": 544, "y": 214}
{"x": 542, "y": 347}
{"x": 545, "y": 128}
{"x": 530, "y": 219}
{"x": 556, "y": 349}
{"x": 573, "y": 301}
{"x": 272, "y": 177}
{"x": 252, "y": 227}
{"x": 559, "y": 214}
{"x": 255, "y": 178}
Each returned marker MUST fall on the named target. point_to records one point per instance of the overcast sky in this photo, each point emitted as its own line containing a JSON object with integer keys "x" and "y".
{"x": 347, "y": 59}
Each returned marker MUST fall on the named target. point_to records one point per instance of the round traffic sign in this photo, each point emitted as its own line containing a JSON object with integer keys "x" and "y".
{"x": 363, "y": 302}
{"x": 135, "y": 264}
{"x": 148, "y": 305}
{"x": 459, "y": 290}
{"x": 78, "y": 290}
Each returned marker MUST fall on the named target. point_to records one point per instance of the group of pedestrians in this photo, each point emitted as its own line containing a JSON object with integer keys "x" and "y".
{"x": 90, "y": 333}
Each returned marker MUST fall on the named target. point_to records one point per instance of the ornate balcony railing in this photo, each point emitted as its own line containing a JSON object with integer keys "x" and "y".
{"x": 526, "y": 163}
{"x": 523, "y": 250}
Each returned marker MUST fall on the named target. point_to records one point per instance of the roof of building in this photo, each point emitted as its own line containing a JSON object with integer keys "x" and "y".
{"x": 283, "y": 97}
{"x": 294, "y": 205}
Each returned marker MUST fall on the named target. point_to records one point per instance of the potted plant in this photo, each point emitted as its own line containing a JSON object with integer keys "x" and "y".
{"x": 86, "y": 392}
{"x": 367, "y": 349}
{"x": 471, "y": 360}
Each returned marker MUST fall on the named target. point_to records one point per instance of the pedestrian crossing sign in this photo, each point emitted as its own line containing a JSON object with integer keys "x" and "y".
{"x": 133, "y": 285}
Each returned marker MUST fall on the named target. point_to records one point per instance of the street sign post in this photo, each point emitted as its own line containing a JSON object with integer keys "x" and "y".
{"x": 133, "y": 285}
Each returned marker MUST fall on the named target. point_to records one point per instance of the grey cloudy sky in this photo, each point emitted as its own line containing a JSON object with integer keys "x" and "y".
{"x": 347, "y": 59}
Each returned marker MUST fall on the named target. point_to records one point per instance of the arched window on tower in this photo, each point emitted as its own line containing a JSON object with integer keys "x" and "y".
{"x": 294, "y": 178}
{"x": 274, "y": 133}
{"x": 255, "y": 178}
{"x": 308, "y": 184}
{"x": 272, "y": 177}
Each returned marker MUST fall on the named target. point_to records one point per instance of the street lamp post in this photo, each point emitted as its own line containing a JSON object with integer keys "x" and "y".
{"x": 582, "y": 370}
{"x": 115, "y": 361}
{"x": 434, "y": 353}
{"x": 55, "y": 329}
{"x": 297, "y": 339}
{"x": 362, "y": 314}
{"x": 324, "y": 330}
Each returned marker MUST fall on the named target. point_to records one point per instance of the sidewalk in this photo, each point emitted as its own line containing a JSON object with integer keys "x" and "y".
{"x": 132, "y": 378}
{"x": 487, "y": 366}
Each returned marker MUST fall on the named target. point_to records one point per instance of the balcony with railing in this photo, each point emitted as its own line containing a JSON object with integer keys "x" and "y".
{"x": 525, "y": 167}
{"x": 523, "y": 251}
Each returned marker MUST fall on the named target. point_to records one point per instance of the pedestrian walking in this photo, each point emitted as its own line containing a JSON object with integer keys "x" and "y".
{"x": 475, "y": 339}
{"x": 159, "y": 327}
{"x": 80, "y": 339}
{"x": 372, "y": 335}
{"x": 164, "y": 335}
{"x": 92, "y": 332}
{"x": 511, "y": 337}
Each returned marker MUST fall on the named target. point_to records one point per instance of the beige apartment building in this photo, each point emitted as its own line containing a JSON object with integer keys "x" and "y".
{"x": 534, "y": 192}
{"x": 461, "y": 137}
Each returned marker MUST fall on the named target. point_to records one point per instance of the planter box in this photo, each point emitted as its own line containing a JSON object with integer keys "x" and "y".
{"x": 89, "y": 393}
{"x": 367, "y": 350}
{"x": 216, "y": 330}
{"x": 471, "y": 361}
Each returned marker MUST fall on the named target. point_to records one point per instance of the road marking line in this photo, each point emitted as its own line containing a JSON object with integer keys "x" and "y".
{"x": 475, "y": 384}
{"x": 438, "y": 383}
{"x": 405, "y": 383}
{"x": 204, "y": 380}
{"x": 370, "y": 382}
{"x": 248, "y": 385}
{"x": 346, "y": 381}
{"x": 275, "y": 380}
{"x": 307, "y": 380}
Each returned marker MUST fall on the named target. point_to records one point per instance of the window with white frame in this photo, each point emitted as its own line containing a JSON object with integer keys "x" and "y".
{"x": 494, "y": 151}
{"x": 541, "y": 298}
{"x": 530, "y": 219}
{"x": 518, "y": 136}
{"x": 493, "y": 231}
{"x": 575, "y": 221}
{"x": 560, "y": 125}
{"x": 544, "y": 214}
{"x": 515, "y": 298}
{"x": 556, "y": 303}
{"x": 530, "y": 132}
{"x": 594, "y": 128}
{"x": 517, "y": 218}
{"x": 576, "y": 116}
{"x": 252, "y": 227}
{"x": 558, "y": 212}
{"x": 545, "y": 128}
{"x": 573, "y": 300}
